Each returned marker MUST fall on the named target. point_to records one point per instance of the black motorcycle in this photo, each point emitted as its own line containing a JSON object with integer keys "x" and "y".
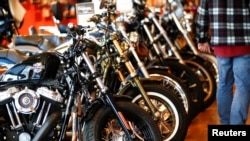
{"x": 60, "y": 96}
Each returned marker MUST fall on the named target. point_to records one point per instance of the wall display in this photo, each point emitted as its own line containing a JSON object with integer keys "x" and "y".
{"x": 83, "y": 12}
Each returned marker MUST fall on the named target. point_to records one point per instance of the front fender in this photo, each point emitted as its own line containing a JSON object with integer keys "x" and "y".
{"x": 156, "y": 79}
{"x": 157, "y": 61}
{"x": 158, "y": 67}
{"x": 99, "y": 104}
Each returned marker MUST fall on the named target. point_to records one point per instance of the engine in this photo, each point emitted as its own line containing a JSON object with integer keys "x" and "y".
{"x": 24, "y": 111}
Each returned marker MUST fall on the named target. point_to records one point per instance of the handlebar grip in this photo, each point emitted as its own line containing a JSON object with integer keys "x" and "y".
{"x": 94, "y": 18}
{"x": 78, "y": 29}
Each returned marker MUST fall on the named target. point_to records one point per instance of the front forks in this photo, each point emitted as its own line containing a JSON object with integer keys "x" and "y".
{"x": 135, "y": 80}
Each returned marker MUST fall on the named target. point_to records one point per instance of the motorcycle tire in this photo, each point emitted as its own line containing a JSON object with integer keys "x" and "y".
{"x": 177, "y": 87}
{"x": 190, "y": 80}
{"x": 206, "y": 77}
{"x": 210, "y": 61}
{"x": 173, "y": 122}
{"x": 103, "y": 125}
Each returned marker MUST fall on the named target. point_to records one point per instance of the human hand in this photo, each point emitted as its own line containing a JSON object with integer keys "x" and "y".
{"x": 204, "y": 47}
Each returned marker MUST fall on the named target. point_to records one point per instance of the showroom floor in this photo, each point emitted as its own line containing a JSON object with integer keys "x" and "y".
{"x": 197, "y": 130}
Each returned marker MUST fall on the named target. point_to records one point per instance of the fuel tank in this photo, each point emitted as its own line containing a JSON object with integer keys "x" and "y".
{"x": 40, "y": 66}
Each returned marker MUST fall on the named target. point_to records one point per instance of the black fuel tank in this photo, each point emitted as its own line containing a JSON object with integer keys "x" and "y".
{"x": 40, "y": 66}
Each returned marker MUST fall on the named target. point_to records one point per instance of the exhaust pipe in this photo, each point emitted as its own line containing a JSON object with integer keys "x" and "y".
{"x": 47, "y": 126}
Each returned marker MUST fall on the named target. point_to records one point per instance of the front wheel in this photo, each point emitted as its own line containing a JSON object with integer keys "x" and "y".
{"x": 175, "y": 85}
{"x": 105, "y": 127}
{"x": 206, "y": 77}
{"x": 173, "y": 120}
{"x": 191, "y": 81}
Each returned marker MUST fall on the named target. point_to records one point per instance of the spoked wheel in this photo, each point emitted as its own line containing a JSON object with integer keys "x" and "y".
{"x": 104, "y": 126}
{"x": 211, "y": 63}
{"x": 173, "y": 84}
{"x": 206, "y": 77}
{"x": 189, "y": 79}
{"x": 207, "y": 59}
{"x": 172, "y": 120}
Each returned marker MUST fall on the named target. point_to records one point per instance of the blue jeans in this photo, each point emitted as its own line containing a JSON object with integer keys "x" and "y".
{"x": 233, "y": 107}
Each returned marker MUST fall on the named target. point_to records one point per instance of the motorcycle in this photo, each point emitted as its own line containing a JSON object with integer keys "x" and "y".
{"x": 60, "y": 96}
{"x": 171, "y": 65}
{"x": 120, "y": 75}
{"x": 177, "y": 28}
{"x": 163, "y": 48}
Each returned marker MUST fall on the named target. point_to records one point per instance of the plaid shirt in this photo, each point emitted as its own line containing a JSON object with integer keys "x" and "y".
{"x": 229, "y": 21}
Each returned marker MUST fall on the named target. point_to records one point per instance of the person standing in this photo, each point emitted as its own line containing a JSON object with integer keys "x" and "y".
{"x": 223, "y": 28}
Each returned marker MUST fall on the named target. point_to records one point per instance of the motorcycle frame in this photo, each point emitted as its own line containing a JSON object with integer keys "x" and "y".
{"x": 106, "y": 96}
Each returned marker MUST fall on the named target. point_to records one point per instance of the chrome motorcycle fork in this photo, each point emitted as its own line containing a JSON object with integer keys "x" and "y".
{"x": 104, "y": 90}
{"x": 135, "y": 78}
{"x": 191, "y": 44}
{"x": 76, "y": 115}
{"x": 158, "y": 50}
{"x": 66, "y": 118}
{"x": 74, "y": 125}
{"x": 166, "y": 38}
{"x": 135, "y": 55}
{"x": 184, "y": 33}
